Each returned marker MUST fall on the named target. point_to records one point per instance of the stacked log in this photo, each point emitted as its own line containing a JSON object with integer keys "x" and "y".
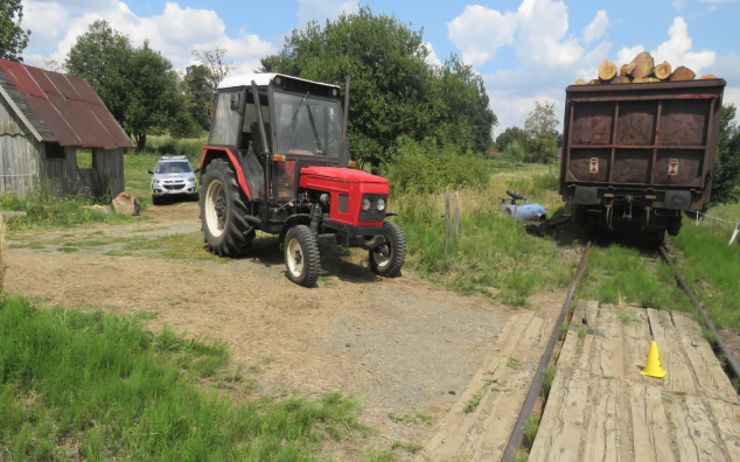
{"x": 642, "y": 69}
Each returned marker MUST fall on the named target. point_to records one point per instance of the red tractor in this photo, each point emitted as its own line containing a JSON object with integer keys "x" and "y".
{"x": 277, "y": 161}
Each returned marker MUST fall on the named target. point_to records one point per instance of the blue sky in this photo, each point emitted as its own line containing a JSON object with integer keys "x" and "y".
{"x": 526, "y": 50}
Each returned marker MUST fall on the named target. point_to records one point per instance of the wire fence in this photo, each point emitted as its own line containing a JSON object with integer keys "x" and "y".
{"x": 733, "y": 226}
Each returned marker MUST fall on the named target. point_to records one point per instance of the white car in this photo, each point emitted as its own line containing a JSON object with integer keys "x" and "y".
{"x": 173, "y": 176}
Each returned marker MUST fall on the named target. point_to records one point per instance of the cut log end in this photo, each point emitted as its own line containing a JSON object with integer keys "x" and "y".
{"x": 607, "y": 70}
{"x": 580, "y": 82}
{"x": 663, "y": 70}
{"x": 625, "y": 70}
{"x": 709, "y": 77}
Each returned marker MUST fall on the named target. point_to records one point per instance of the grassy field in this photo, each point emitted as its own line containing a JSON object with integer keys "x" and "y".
{"x": 491, "y": 254}
{"x": 90, "y": 386}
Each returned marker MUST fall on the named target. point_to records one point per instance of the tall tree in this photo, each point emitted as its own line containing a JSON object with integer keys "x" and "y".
{"x": 138, "y": 85}
{"x": 726, "y": 182}
{"x": 215, "y": 61}
{"x": 541, "y": 128}
{"x": 13, "y": 38}
{"x": 199, "y": 89}
{"x": 102, "y": 56}
{"x": 394, "y": 91}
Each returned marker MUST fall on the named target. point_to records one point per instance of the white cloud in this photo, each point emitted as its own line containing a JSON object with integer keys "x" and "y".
{"x": 479, "y": 32}
{"x": 596, "y": 28}
{"x": 174, "y": 32}
{"x": 677, "y": 49}
{"x": 548, "y": 56}
{"x": 432, "y": 58}
{"x": 627, "y": 54}
{"x": 321, "y": 10}
{"x": 678, "y": 4}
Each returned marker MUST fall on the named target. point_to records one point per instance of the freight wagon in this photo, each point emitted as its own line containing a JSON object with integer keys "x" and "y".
{"x": 635, "y": 156}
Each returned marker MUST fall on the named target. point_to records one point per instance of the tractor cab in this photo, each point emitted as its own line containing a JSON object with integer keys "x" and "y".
{"x": 277, "y": 160}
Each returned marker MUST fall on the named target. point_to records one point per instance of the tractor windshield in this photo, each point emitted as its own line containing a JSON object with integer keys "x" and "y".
{"x": 307, "y": 125}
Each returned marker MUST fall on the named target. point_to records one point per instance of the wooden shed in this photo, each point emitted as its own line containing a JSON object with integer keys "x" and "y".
{"x": 45, "y": 117}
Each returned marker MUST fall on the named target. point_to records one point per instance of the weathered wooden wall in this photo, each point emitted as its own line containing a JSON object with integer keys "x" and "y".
{"x": 19, "y": 155}
{"x": 109, "y": 168}
{"x": 61, "y": 174}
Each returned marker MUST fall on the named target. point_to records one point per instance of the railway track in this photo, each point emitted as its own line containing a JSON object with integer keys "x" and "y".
{"x": 721, "y": 350}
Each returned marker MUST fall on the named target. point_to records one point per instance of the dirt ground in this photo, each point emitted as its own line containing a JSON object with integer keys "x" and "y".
{"x": 400, "y": 346}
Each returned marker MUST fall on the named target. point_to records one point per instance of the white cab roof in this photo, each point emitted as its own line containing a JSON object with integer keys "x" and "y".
{"x": 261, "y": 79}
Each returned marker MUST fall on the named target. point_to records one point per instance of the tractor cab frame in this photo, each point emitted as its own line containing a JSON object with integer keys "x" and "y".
{"x": 277, "y": 161}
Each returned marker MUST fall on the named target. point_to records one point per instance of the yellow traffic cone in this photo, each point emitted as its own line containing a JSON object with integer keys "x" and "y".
{"x": 653, "y": 366}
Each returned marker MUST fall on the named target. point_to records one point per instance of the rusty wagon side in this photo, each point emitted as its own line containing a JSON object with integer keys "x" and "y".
{"x": 636, "y": 155}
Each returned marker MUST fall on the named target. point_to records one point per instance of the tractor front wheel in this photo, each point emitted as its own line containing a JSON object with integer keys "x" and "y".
{"x": 223, "y": 211}
{"x": 302, "y": 258}
{"x": 387, "y": 260}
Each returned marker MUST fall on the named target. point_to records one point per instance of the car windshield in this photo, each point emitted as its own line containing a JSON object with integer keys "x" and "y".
{"x": 307, "y": 124}
{"x": 173, "y": 167}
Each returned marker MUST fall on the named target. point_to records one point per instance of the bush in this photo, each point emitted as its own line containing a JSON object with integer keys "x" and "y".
{"x": 426, "y": 167}
{"x": 167, "y": 145}
{"x": 515, "y": 152}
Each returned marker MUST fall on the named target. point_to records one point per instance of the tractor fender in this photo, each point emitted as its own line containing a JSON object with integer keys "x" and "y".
{"x": 293, "y": 220}
{"x": 211, "y": 152}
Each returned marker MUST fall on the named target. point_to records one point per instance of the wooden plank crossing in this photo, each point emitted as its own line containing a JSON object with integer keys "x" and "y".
{"x": 601, "y": 408}
{"x": 480, "y": 432}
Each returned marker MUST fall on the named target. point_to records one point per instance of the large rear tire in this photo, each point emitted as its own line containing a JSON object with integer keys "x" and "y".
{"x": 302, "y": 258}
{"x": 223, "y": 211}
{"x": 387, "y": 260}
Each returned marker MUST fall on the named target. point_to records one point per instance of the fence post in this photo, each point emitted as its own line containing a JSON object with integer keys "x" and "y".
{"x": 735, "y": 232}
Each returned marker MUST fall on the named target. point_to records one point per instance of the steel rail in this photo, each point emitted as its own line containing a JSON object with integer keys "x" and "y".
{"x": 666, "y": 254}
{"x": 517, "y": 434}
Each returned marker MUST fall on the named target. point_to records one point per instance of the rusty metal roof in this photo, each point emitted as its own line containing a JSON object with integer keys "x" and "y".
{"x": 61, "y": 108}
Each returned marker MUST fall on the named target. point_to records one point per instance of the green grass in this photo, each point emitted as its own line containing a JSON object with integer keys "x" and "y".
{"x": 46, "y": 211}
{"x": 492, "y": 254}
{"x": 472, "y": 404}
{"x": 617, "y": 273}
{"x": 138, "y": 180}
{"x": 530, "y": 431}
{"x": 176, "y": 246}
{"x": 712, "y": 268}
{"x": 406, "y": 418}
{"x": 89, "y": 386}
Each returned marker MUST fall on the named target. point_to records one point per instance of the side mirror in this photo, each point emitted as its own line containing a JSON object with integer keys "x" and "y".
{"x": 151, "y": 172}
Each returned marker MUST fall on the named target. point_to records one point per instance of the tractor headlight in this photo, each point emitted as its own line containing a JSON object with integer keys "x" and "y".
{"x": 366, "y": 204}
{"x": 380, "y": 205}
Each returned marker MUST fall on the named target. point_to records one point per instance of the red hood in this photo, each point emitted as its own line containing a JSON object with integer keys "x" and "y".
{"x": 346, "y": 175}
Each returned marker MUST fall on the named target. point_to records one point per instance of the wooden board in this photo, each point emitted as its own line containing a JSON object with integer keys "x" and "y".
{"x": 501, "y": 386}
{"x": 601, "y": 407}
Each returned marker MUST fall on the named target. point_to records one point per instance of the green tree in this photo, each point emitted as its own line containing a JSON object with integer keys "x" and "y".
{"x": 199, "y": 89}
{"x": 13, "y": 39}
{"x": 394, "y": 91}
{"x": 541, "y": 128}
{"x": 154, "y": 101}
{"x": 138, "y": 85}
{"x": 461, "y": 113}
{"x": 726, "y": 182}
{"x": 510, "y": 135}
{"x": 102, "y": 56}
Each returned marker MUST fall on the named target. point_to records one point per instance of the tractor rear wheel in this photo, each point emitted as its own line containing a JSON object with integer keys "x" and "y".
{"x": 387, "y": 260}
{"x": 302, "y": 259}
{"x": 223, "y": 211}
